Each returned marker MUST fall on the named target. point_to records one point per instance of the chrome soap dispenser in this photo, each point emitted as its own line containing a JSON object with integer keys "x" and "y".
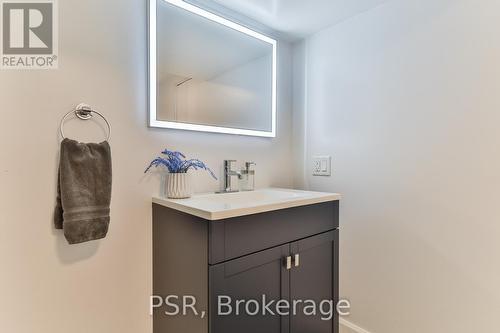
{"x": 247, "y": 180}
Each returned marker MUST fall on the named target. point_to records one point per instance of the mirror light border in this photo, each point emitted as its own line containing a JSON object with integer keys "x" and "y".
{"x": 153, "y": 122}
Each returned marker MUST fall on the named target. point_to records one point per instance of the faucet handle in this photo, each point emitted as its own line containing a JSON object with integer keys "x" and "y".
{"x": 248, "y": 168}
{"x": 249, "y": 180}
{"x": 248, "y": 165}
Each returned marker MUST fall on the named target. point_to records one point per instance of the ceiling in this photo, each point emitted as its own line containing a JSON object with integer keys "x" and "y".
{"x": 296, "y": 19}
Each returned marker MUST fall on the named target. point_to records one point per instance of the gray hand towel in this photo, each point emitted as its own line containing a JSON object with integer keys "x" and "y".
{"x": 83, "y": 191}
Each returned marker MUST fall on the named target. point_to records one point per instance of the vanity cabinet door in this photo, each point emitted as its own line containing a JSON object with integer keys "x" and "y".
{"x": 315, "y": 277}
{"x": 249, "y": 278}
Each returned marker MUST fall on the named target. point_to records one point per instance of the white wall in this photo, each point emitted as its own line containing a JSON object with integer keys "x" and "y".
{"x": 103, "y": 286}
{"x": 406, "y": 99}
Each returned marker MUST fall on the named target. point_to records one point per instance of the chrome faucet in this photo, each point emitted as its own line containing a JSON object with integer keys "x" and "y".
{"x": 228, "y": 174}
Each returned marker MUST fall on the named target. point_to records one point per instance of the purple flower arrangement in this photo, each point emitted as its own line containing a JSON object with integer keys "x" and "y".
{"x": 176, "y": 162}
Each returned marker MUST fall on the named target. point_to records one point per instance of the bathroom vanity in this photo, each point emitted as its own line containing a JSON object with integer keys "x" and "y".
{"x": 274, "y": 242}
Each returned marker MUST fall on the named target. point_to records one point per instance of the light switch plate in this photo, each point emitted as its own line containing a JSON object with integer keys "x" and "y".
{"x": 322, "y": 166}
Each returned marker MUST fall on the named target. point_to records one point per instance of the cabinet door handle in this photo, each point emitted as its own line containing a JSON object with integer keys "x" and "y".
{"x": 288, "y": 263}
{"x": 297, "y": 260}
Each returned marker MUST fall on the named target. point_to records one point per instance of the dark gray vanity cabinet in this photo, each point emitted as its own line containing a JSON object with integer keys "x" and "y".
{"x": 250, "y": 277}
{"x": 315, "y": 278}
{"x": 289, "y": 254}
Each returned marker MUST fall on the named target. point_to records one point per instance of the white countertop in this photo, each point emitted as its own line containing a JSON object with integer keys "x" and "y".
{"x": 213, "y": 206}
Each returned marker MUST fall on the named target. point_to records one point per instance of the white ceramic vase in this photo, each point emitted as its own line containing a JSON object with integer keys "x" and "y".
{"x": 178, "y": 186}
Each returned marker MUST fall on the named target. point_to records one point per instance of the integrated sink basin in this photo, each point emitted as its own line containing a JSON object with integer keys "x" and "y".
{"x": 227, "y": 205}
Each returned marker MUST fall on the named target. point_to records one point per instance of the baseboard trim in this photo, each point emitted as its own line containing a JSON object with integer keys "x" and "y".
{"x": 352, "y": 326}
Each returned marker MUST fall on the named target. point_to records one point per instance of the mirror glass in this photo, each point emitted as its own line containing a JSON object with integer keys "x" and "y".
{"x": 208, "y": 73}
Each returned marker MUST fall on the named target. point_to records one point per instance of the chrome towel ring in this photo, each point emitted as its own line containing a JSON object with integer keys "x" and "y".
{"x": 84, "y": 112}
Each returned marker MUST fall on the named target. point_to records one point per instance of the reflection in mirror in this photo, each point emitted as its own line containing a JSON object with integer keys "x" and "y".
{"x": 210, "y": 74}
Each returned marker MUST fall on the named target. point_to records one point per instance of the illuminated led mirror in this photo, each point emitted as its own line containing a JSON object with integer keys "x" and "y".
{"x": 207, "y": 73}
